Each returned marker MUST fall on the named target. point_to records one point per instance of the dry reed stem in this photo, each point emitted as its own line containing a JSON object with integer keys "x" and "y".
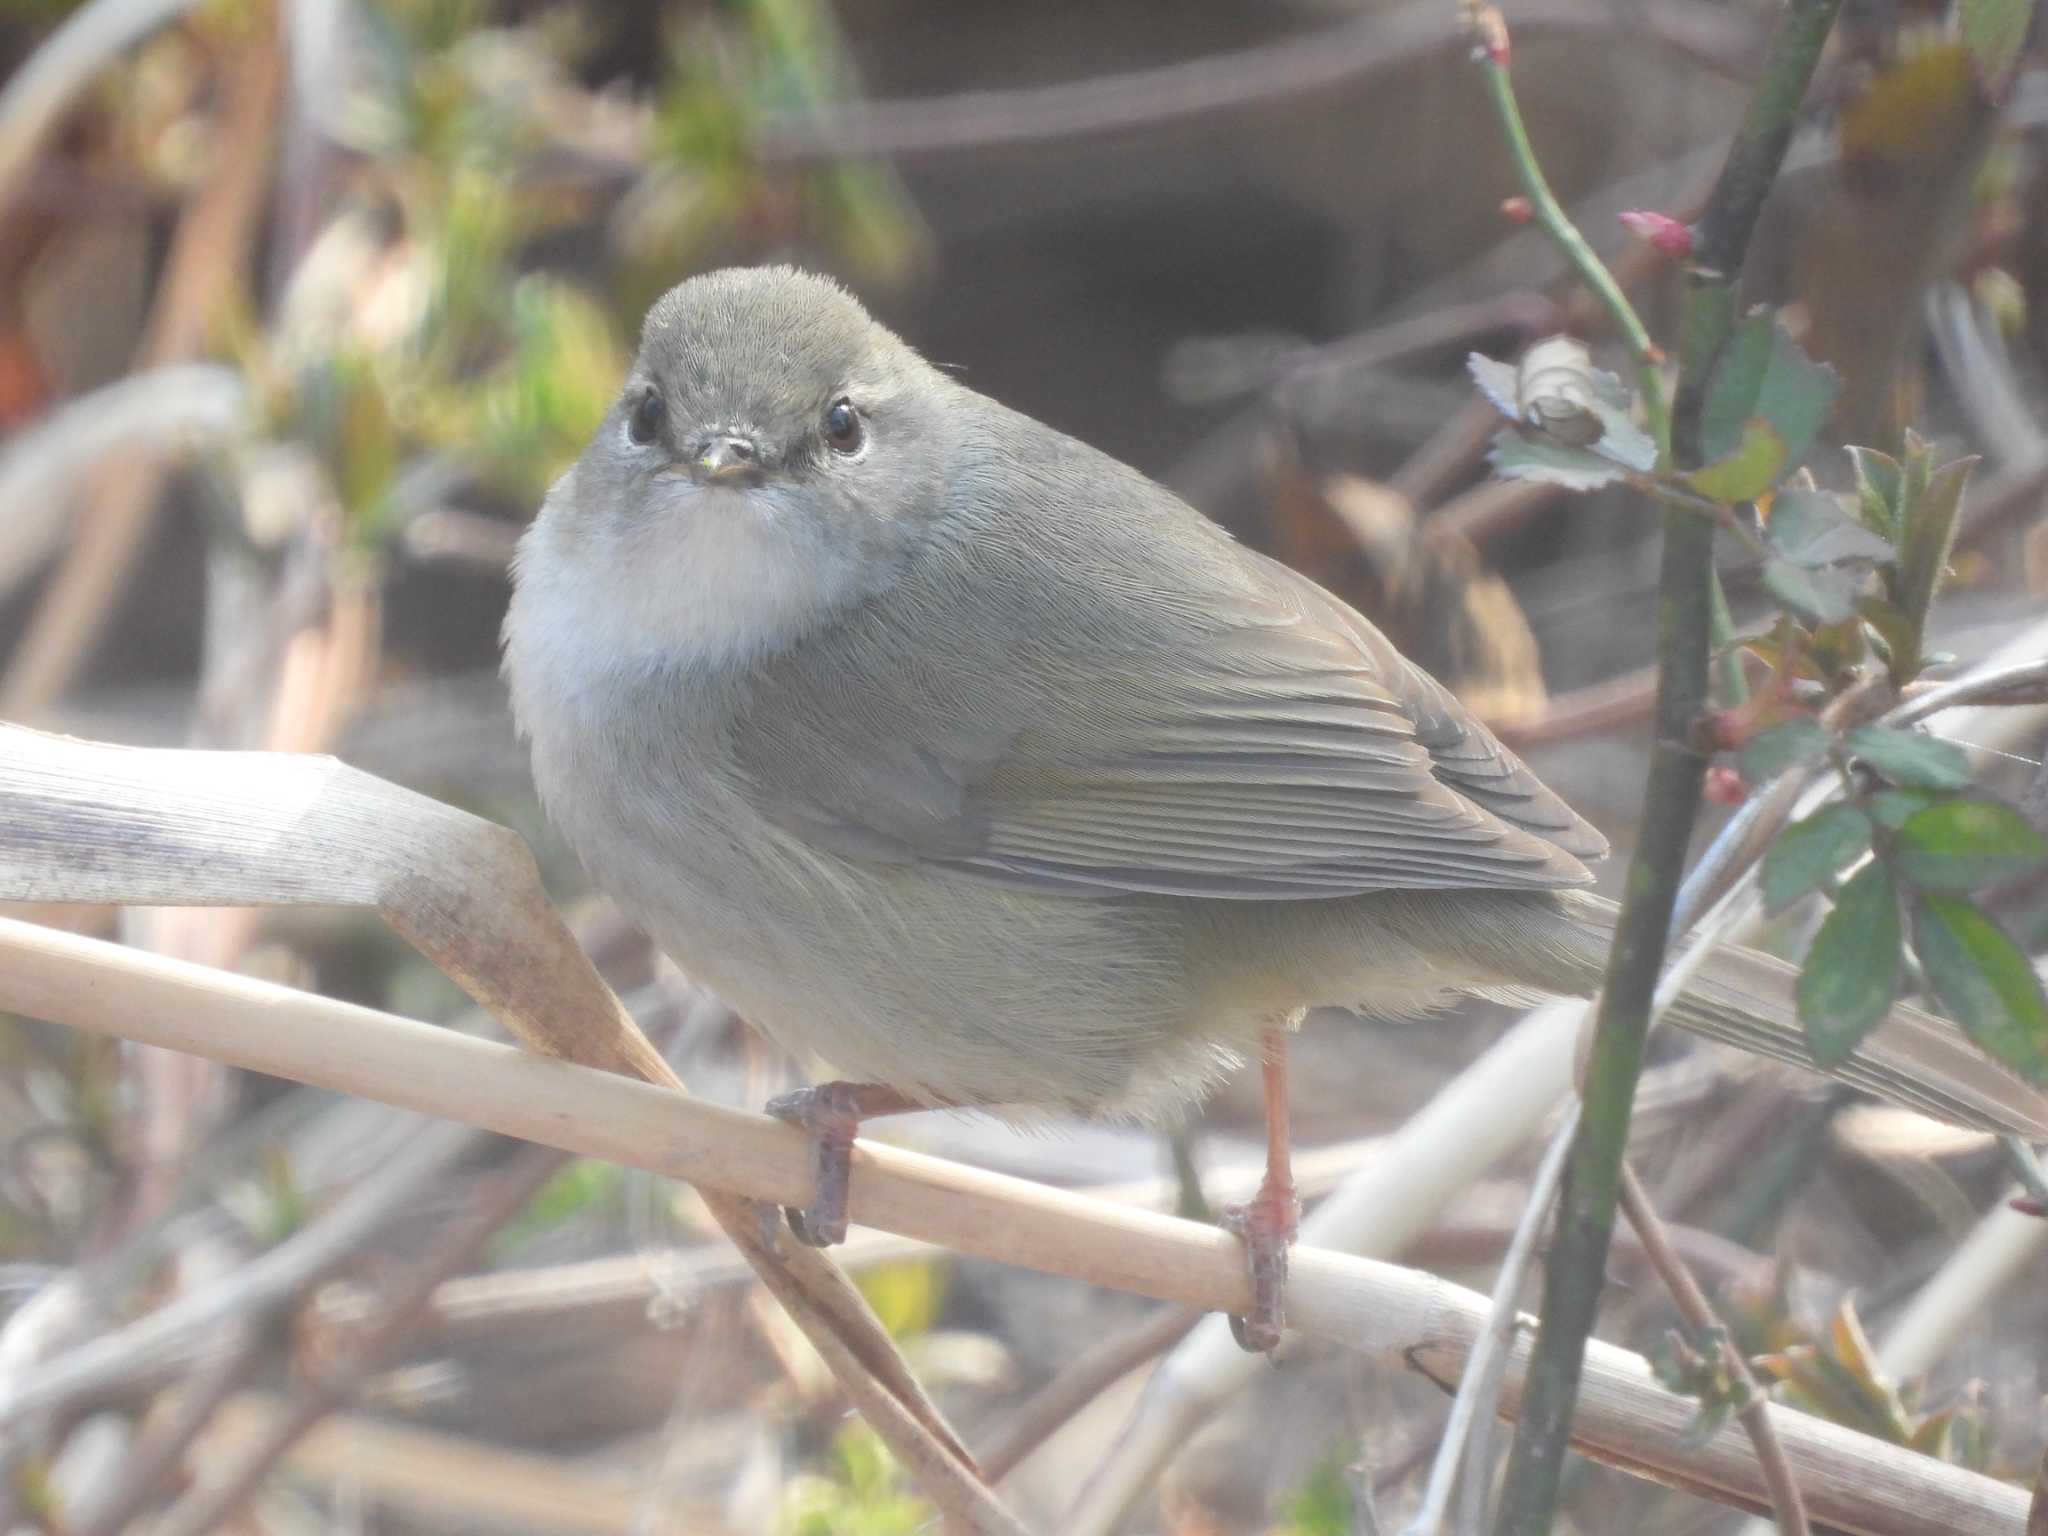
{"x": 321, "y": 675}
{"x": 2003, "y": 1249}
{"x": 624, "y": 1286}
{"x": 491, "y": 1202}
{"x": 1852, "y": 1482}
{"x": 454, "y": 1478}
{"x": 155, "y": 413}
{"x": 1080, "y": 1382}
{"x": 94, "y": 823}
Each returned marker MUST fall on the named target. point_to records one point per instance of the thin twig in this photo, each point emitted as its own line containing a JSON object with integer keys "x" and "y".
{"x": 153, "y": 412}
{"x": 1440, "y": 460}
{"x": 164, "y": 1339}
{"x": 1169, "y": 94}
{"x": 1335, "y": 364}
{"x": 1080, "y": 1383}
{"x": 1694, "y": 1307}
{"x": 1491, "y": 43}
{"x": 2018, "y": 682}
{"x": 501, "y": 1196}
{"x": 160, "y": 1456}
{"x": 1468, "y": 1431}
{"x": 1607, "y": 705}
{"x": 1491, "y": 507}
{"x": 446, "y": 1481}
{"x": 1296, "y": 385}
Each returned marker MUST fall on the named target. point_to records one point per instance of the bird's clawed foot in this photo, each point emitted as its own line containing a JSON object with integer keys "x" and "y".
{"x": 831, "y": 1114}
{"x": 1266, "y": 1225}
{"x": 1267, "y": 1222}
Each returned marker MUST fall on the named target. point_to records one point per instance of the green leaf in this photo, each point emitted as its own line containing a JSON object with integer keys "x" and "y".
{"x": 1762, "y": 373}
{"x": 1826, "y": 596}
{"x": 1558, "y": 397}
{"x": 1852, "y": 972}
{"x": 1498, "y": 382}
{"x": 1810, "y": 528}
{"x": 1877, "y": 490}
{"x": 1909, "y": 759}
{"x": 1995, "y": 32}
{"x": 1928, "y": 531}
{"x": 1890, "y": 807}
{"x": 1928, "y": 519}
{"x": 1523, "y": 456}
{"x": 1958, "y": 845}
{"x": 1810, "y": 851}
{"x": 1985, "y": 982}
{"x": 1821, "y": 557}
{"x": 1755, "y": 464}
{"x": 1622, "y": 440}
{"x": 1769, "y": 753}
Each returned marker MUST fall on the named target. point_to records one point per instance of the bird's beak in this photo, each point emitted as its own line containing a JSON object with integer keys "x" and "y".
{"x": 727, "y": 459}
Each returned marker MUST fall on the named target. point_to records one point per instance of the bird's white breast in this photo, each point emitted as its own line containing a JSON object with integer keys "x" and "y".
{"x": 701, "y": 579}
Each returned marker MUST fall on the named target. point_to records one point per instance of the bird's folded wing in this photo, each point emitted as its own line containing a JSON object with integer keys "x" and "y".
{"x": 1274, "y": 746}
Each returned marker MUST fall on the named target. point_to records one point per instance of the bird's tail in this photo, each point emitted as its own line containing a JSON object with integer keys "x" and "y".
{"x": 1746, "y": 999}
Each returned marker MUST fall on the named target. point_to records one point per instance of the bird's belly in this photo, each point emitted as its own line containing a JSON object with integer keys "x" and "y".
{"x": 948, "y": 988}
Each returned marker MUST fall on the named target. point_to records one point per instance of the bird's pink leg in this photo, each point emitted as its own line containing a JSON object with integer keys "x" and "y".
{"x": 832, "y": 1113}
{"x": 1266, "y": 1223}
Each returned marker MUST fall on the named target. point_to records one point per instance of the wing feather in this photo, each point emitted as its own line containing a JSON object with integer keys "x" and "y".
{"x": 1201, "y": 722}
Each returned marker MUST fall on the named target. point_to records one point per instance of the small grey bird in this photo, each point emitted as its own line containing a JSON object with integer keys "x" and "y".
{"x": 969, "y": 759}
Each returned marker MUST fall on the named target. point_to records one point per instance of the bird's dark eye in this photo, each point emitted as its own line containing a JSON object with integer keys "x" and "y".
{"x": 842, "y": 427}
{"x": 644, "y": 425}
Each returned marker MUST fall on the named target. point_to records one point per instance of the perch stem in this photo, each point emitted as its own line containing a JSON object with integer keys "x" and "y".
{"x": 1575, "y": 1272}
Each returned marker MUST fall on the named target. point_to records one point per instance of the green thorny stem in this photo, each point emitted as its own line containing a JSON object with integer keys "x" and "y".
{"x": 1549, "y": 216}
{"x": 1585, "y": 1223}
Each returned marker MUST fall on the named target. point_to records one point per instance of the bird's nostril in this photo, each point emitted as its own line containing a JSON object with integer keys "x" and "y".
{"x": 730, "y": 456}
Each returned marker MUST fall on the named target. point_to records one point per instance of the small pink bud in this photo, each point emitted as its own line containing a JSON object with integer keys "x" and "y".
{"x": 1724, "y": 786}
{"x": 1661, "y": 230}
{"x": 2027, "y": 1205}
{"x": 1489, "y": 31}
{"x": 1517, "y": 210}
